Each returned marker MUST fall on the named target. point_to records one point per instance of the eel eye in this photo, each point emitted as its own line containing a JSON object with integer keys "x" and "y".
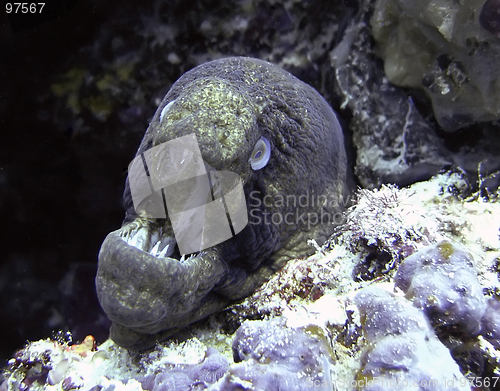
{"x": 260, "y": 154}
{"x": 165, "y": 109}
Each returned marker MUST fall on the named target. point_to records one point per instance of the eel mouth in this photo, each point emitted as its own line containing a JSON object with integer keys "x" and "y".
{"x": 144, "y": 284}
{"x": 152, "y": 238}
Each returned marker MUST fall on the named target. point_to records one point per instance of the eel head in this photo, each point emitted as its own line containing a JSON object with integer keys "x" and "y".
{"x": 249, "y": 118}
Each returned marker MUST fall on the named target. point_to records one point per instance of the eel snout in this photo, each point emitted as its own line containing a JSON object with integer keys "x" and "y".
{"x": 145, "y": 289}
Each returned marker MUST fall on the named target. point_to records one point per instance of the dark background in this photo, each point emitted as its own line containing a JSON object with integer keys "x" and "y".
{"x": 59, "y": 194}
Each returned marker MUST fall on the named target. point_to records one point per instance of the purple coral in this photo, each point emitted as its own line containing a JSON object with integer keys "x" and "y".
{"x": 382, "y": 315}
{"x": 189, "y": 377}
{"x": 441, "y": 280}
{"x": 272, "y": 357}
{"x": 172, "y": 381}
{"x": 402, "y": 347}
{"x": 212, "y": 369}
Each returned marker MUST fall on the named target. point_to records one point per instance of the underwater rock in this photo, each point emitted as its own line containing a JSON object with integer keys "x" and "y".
{"x": 270, "y": 356}
{"x": 394, "y": 142}
{"x": 382, "y": 314}
{"x": 172, "y": 381}
{"x": 402, "y": 348}
{"x": 490, "y": 323}
{"x": 397, "y": 140}
{"x": 211, "y": 369}
{"x": 442, "y": 281}
{"x": 489, "y": 18}
{"x": 145, "y": 286}
{"x": 189, "y": 377}
{"x": 447, "y": 48}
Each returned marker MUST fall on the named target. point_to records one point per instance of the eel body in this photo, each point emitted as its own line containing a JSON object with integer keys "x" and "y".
{"x": 284, "y": 142}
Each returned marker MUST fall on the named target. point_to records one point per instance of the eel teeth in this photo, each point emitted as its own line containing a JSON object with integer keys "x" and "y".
{"x": 148, "y": 240}
{"x": 156, "y": 249}
{"x": 163, "y": 253}
{"x": 139, "y": 238}
{"x": 184, "y": 259}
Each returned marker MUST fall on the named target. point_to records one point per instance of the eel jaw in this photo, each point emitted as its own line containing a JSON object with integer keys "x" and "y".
{"x": 151, "y": 240}
{"x": 144, "y": 290}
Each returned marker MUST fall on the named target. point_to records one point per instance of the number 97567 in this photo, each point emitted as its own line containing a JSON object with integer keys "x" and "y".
{"x": 24, "y": 8}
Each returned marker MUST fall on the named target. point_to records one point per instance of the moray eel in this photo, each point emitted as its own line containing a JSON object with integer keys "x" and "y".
{"x": 281, "y": 137}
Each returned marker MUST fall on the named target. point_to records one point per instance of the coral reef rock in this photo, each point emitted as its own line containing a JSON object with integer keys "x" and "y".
{"x": 394, "y": 142}
{"x": 449, "y": 48}
{"x": 442, "y": 281}
{"x": 403, "y": 349}
{"x": 270, "y": 356}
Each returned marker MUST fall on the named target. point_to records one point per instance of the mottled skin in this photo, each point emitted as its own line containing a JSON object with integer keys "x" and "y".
{"x": 229, "y": 104}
